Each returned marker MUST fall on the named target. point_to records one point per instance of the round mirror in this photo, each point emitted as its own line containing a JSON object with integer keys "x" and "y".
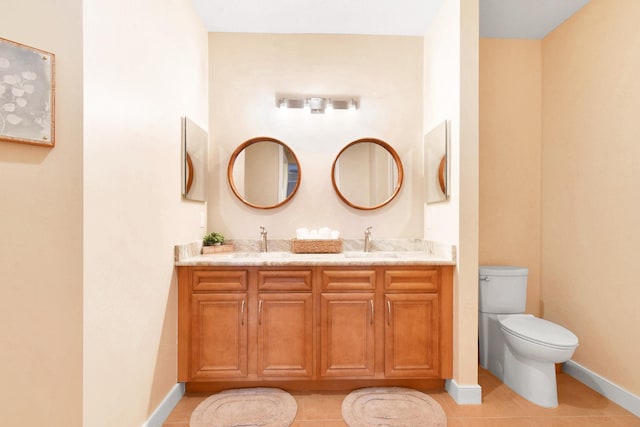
{"x": 367, "y": 174}
{"x": 264, "y": 173}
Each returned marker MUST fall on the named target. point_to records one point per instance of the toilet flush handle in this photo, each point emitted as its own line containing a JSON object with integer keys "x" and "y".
{"x": 485, "y": 278}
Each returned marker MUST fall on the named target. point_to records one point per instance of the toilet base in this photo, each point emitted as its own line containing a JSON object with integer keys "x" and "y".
{"x": 531, "y": 379}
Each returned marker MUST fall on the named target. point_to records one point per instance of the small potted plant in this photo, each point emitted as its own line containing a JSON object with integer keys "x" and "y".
{"x": 212, "y": 242}
{"x": 212, "y": 239}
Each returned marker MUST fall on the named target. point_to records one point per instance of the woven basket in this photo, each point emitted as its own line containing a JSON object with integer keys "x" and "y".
{"x": 312, "y": 246}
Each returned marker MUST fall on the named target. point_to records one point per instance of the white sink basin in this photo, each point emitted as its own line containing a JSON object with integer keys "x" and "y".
{"x": 263, "y": 255}
{"x": 371, "y": 255}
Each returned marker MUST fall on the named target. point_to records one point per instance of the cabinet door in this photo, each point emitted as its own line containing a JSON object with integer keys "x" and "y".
{"x": 347, "y": 334}
{"x": 412, "y": 335}
{"x": 285, "y": 335}
{"x": 218, "y": 336}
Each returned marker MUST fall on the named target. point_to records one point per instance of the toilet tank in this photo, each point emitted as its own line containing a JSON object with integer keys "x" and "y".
{"x": 503, "y": 289}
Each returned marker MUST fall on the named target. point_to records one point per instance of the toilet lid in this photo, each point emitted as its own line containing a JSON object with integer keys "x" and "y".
{"x": 540, "y": 331}
{"x": 502, "y": 270}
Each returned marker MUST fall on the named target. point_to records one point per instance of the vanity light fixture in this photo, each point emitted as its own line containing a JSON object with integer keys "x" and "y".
{"x": 317, "y": 104}
{"x": 329, "y": 105}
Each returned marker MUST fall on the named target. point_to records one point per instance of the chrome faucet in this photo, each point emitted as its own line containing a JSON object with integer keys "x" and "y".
{"x": 367, "y": 239}
{"x": 263, "y": 240}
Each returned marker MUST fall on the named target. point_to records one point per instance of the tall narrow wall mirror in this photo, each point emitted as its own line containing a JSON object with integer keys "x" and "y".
{"x": 367, "y": 174}
{"x": 195, "y": 154}
{"x": 436, "y": 163}
{"x": 264, "y": 173}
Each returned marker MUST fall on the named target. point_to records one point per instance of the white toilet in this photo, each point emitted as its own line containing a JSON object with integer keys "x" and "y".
{"x": 520, "y": 349}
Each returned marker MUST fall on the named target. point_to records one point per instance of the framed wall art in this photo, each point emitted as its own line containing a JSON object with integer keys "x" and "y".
{"x": 27, "y": 94}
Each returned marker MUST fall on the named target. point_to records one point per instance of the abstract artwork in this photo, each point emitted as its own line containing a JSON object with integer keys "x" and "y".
{"x": 27, "y": 108}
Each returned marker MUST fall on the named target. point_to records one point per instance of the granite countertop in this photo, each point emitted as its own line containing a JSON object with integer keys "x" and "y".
{"x": 384, "y": 252}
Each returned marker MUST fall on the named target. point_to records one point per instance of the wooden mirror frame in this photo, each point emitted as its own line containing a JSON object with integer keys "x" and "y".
{"x": 237, "y": 152}
{"x": 396, "y": 159}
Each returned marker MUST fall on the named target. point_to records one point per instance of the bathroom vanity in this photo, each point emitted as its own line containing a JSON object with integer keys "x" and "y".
{"x": 314, "y": 321}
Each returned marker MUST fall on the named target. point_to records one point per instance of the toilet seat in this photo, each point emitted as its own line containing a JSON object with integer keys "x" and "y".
{"x": 538, "y": 331}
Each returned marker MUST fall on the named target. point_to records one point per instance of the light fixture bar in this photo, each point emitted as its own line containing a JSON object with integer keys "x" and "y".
{"x": 317, "y": 104}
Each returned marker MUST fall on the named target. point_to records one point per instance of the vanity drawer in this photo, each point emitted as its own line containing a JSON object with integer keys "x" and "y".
{"x": 348, "y": 280}
{"x": 284, "y": 280}
{"x": 412, "y": 280}
{"x": 219, "y": 280}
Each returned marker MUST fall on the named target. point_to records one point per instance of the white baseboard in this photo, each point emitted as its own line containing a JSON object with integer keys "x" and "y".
{"x": 170, "y": 401}
{"x": 611, "y": 391}
{"x": 464, "y": 394}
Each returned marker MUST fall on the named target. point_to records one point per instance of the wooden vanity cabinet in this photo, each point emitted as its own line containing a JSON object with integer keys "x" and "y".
{"x": 347, "y": 323}
{"x": 216, "y": 319}
{"x": 285, "y": 324}
{"x": 315, "y": 327}
{"x": 405, "y": 320}
{"x": 214, "y": 325}
{"x": 244, "y": 324}
{"x": 415, "y": 330}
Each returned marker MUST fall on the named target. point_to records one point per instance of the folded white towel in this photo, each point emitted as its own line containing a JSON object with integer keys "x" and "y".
{"x": 319, "y": 234}
{"x": 324, "y": 233}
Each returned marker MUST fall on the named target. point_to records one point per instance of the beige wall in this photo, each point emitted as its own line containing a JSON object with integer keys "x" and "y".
{"x": 41, "y": 229}
{"x": 510, "y": 157}
{"x": 590, "y": 178}
{"x": 246, "y": 73}
{"x": 451, "y": 93}
{"x": 145, "y": 67}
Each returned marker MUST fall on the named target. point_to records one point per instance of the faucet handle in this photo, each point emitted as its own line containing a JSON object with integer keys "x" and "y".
{"x": 367, "y": 239}
{"x": 263, "y": 239}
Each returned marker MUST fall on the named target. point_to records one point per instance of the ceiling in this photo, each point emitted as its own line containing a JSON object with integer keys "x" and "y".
{"x": 524, "y": 19}
{"x": 529, "y": 19}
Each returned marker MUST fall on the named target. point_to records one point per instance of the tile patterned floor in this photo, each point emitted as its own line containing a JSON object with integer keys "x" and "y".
{"x": 579, "y": 406}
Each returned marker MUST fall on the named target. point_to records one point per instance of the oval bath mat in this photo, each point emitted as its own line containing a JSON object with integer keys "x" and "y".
{"x": 392, "y": 407}
{"x": 246, "y": 407}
